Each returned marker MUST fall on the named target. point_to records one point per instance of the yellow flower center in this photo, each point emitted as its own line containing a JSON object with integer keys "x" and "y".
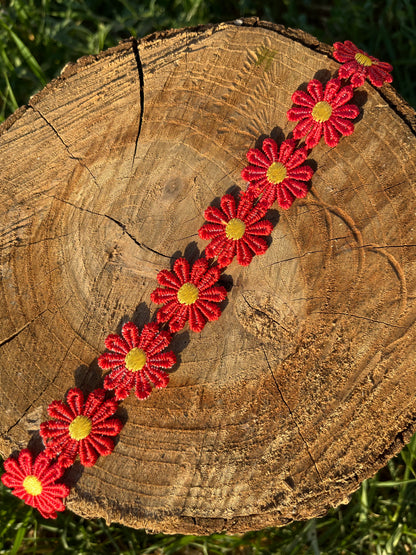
{"x": 276, "y": 173}
{"x": 322, "y": 111}
{"x": 235, "y": 229}
{"x": 188, "y": 293}
{"x": 363, "y": 59}
{"x": 135, "y": 359}
{"x": 80, "y": 428}
{"x": 32, "y": 485}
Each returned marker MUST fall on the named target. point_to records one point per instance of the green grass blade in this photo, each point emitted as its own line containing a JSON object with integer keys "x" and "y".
{"x": 393, "y": 541}
{"x": 394, "y": 483}
{"x": 26, "y": 54}
{"x": 9, "y": 98}
{"x": 21, "y": 532}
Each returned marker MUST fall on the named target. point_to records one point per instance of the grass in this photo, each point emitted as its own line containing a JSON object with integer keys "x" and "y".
{"x": 380, "y": 519}
{"x": 37, "y": 38}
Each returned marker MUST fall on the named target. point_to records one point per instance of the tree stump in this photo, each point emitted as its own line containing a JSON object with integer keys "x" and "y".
{"x": 305, "y": 385}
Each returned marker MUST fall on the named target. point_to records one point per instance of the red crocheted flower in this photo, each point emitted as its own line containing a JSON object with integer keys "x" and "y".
{"x": 235, "y": 230}
{"x": 189, "y": 295}
{"x": 359, "y": 65}
{"x": 35, "y": 481}
{"x": 278, "y": 172}
{"x": 137, "y": 360}
{"x": 81, "y": 428}
{"x": 322, "y": 112}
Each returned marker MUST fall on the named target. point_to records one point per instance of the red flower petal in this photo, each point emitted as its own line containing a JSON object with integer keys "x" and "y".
{"x": 161, "y": 296}
{"x": 168, "y": 279}
{"x": 197, "y": 320}
{"x": 358, "y": 69}
{"x": 203, "y": 277}
{"x": 255, "y": 244}
{"x": 290, "y": 157}
{"x": 313, "y": 126}
{"x": 57, "y": 409}
{"x": 315, "y": 89}
{"x": 117, "y": 344}
{"x": 303, "y": 99}
{"x": 75, "y": 400}
{"x": 49, "y": 499}
{"x": 228, "y": 206}
{"x": 181, "y": 268}
{"x": 143, "y": 388}
{"x": 59, "y": 438}
{"x": 152, "y": 340}
{"x": 330, "y": 134}
{"x": 245, "y": 253}
{"x": 178, "y": 317}
{"x": 270, "y": 149}
{"x": 199, "y": 272}
{"x": 257, "y": 158}
{"x": 212, "y": 214}
{"x": 131, "y": 334}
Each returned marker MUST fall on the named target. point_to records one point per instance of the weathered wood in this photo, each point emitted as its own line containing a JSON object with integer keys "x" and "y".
{"x": 305, "y": 386}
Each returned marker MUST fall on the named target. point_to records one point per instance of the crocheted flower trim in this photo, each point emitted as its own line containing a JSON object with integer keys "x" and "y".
{"x": 35, "y": 481}
{"x": 137, "y": 360}
{"x": 323, "y": 112}
{"x": 81, "y": 428}
{"x": 359, "y": 65}
{"x": 278, "y": 172}
{"x": 189, "y": 295}
{"x": 235, "y": 229}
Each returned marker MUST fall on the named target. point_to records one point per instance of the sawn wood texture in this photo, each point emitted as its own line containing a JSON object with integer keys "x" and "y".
{"x": 306, "y": 384}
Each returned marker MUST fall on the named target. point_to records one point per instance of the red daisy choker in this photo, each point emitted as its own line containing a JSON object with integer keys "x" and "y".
{"x": 85, "y": 427}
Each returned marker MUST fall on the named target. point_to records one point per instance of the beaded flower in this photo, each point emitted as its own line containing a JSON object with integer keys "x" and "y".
{"x": 137, "y": 360}
{"x": 323, "y": 113}
{"x": 189, "y": 295}
{"x": 278, "y": 172}
{"x": 35, "y": 481}
{"x": 358, "y": 65}
{"x": 81, "y": 428}
{"x": 235, "y": 230}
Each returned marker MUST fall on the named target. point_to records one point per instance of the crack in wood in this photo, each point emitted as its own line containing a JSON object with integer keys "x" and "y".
{"x": 333, "y": 313}
{"x": 43, "y": 240}
{"x": 291, "y": 415}
{"x": 262, "y": 313}
{"x": 35, "y": 401}
{"x": 117, "y": 222}
{"x": 72, "y": 156}
{"x": 376, "y": 247}
{"x": 141, "y": 83}
{"x": 141, "y": 245}
{"x": 296, "y": 257}
{"x": 19, "y": 331}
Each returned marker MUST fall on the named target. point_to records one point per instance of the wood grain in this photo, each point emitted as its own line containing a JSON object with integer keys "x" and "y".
{"x": 305, "y": 386}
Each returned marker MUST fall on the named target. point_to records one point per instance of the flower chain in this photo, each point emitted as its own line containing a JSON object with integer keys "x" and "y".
{"x": 190, "y": 293}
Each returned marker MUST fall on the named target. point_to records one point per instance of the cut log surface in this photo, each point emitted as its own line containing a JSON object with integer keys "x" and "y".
{"x": 306, "y": 384}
